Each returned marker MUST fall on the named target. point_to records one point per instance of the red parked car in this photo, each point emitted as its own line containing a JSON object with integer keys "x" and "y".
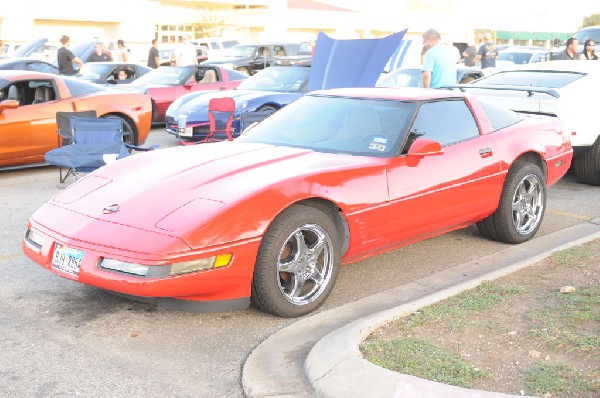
{"x": 334, "y": 177}
{"x": 167, "y": 83}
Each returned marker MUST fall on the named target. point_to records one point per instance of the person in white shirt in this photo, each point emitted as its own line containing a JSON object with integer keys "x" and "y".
{"x": 185, "y": 52}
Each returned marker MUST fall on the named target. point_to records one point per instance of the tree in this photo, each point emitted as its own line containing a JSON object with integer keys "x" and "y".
{"x": 213, "y": 19}
{"x": 591, "y": 20}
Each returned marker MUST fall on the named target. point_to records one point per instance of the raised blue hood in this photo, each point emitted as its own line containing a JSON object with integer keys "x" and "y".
{"x": 350, "y": 63}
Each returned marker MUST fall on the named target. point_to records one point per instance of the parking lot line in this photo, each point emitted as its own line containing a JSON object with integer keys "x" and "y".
{"x": 562, "y": 213}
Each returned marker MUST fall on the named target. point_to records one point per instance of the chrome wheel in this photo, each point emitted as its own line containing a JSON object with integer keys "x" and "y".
{"x": 521, "y": 208}
{"x": 528, "y": 204}
{"x": 305, "y": 264}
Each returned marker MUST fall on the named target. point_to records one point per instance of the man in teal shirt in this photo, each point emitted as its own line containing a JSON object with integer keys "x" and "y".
{"x": 439, "y": 65}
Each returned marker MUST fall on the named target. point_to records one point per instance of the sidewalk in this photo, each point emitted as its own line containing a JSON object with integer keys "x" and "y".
{"x": 319, "y": 355}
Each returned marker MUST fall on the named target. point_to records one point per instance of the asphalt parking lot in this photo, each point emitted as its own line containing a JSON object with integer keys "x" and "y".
{"x": 60, "y": 338}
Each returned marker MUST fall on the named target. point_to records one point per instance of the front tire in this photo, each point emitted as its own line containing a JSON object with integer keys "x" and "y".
{"x": 587, "y": 167}
{"x": 297, "y": 264}
{"x": 522, "y": 206}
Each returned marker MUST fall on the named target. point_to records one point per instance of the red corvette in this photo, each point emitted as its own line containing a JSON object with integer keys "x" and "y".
{"x": 167, "y": 83}
{"x": 334, "y": 177}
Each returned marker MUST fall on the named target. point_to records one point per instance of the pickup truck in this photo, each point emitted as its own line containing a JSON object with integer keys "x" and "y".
{"x": 250, "y": 58}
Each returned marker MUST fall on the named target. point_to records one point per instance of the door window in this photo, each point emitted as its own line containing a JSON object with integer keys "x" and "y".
{"x": 447, "y": 122}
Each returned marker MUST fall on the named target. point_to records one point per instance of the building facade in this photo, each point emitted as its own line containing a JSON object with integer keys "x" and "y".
{"x": 139, "y": 21}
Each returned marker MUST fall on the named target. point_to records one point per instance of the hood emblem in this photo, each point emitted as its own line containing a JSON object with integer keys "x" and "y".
{"x": 111, "y": 209}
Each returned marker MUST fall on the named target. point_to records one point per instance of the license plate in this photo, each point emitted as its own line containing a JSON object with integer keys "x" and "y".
{"x": 186, "y": 131}
{"x": 67, "y": 259}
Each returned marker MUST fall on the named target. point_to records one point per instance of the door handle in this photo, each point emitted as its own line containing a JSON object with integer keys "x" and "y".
{"x": 485, "y": 152}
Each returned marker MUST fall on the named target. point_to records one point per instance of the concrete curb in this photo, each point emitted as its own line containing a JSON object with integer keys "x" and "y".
{"x": 319, "y": 355}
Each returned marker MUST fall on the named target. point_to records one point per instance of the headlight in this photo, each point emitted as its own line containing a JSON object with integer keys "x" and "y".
{"x": 34, "y": 238}
{"x": 122, "y": 266}
{"x": 218, "y": 261}
{"x": 162, "y": 271}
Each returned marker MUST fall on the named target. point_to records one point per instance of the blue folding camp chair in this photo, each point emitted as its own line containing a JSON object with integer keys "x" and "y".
{"x": 96, "y": 142}
{"x": 65, "y": 132}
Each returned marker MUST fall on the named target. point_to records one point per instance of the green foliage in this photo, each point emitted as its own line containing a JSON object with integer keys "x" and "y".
{"x": 423, "y": 359}
{"x": 591, "y": 20}
{"x": 547, "y": 379}
{"x": 483, "y": 298}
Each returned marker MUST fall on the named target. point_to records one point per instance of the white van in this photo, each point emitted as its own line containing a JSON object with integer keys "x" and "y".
{"x": 216, "y": 46}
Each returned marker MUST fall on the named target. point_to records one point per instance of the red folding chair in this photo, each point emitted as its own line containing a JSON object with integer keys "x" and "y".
{"x": 221, "y": 112}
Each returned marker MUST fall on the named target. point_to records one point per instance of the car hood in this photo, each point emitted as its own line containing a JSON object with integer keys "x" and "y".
{"x": 26, "y": 49}
{"x": 335, "y": 64}
{"x": 147, "y": 188}
{"x": 199, "y": 105}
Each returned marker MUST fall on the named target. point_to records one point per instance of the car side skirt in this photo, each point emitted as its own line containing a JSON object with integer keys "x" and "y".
{"x": 196, "y": 306}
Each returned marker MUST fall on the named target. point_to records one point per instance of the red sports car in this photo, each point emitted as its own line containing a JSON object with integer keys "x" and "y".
{"x": 335, "y": 177}
{"x": 168, "y": 83}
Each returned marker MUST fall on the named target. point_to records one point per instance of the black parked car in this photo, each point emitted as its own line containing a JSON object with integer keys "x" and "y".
{"x": 250, "y": 58}
{"x": 26, "y": 63}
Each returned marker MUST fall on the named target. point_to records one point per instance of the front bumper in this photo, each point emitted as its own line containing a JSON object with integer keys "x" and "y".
{"x": 202, "y": 291}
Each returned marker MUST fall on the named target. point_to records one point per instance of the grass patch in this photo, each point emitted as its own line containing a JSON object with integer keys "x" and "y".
{"x": 422, "y": 359}
{"x": 569, "y": 322}
{"x": 543, "y": 379}
{"x": 572, "y": 256}
{"x": 483, "y": 298}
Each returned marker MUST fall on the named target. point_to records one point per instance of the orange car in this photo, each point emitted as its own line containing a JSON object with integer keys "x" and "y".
{"x": 29, "y": 102}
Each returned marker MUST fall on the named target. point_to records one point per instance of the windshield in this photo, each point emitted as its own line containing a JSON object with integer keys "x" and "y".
{"x": 282, "y": 79}
{"x": 353, "y": 126}
{"x": 241, "y": 51}
{"x": 531, "y": 78}
{"x": 585, "y": 34}
{"x": 517, "y": 58}
{"x": 166, "y": 75}
{"x": 92, "y": 70}
{"x": 401, "y": 78}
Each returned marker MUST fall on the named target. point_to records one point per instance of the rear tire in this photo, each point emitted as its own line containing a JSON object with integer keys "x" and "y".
{"x": 521, "y": 208}
{"x": 298, "y": 262}
{"x": 587, "y": 167}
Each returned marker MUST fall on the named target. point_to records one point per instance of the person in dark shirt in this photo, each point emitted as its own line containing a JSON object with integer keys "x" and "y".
{"x": 570, "y": 53}
{"x": 99, "y": 55}
{"x": 487, "y": 54}
{"x": 66, "y": 58}
{"x": 153, "y": 58}
{"x": 470, "y": 55}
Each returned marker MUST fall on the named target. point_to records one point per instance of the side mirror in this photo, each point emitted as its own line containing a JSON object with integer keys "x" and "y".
{"x": 422, "y": 147}
{"x": 9, "y": 104}
{"x": 190, "y": 83}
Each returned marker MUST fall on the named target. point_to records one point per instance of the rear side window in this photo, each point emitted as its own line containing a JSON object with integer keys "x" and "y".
{"x": 447, "y": 122}
{"x": 498, "y": 116}
{"x": 229, "y": 44}
{"x": 535, "y": 78}
{"x": 80, "y": 87}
